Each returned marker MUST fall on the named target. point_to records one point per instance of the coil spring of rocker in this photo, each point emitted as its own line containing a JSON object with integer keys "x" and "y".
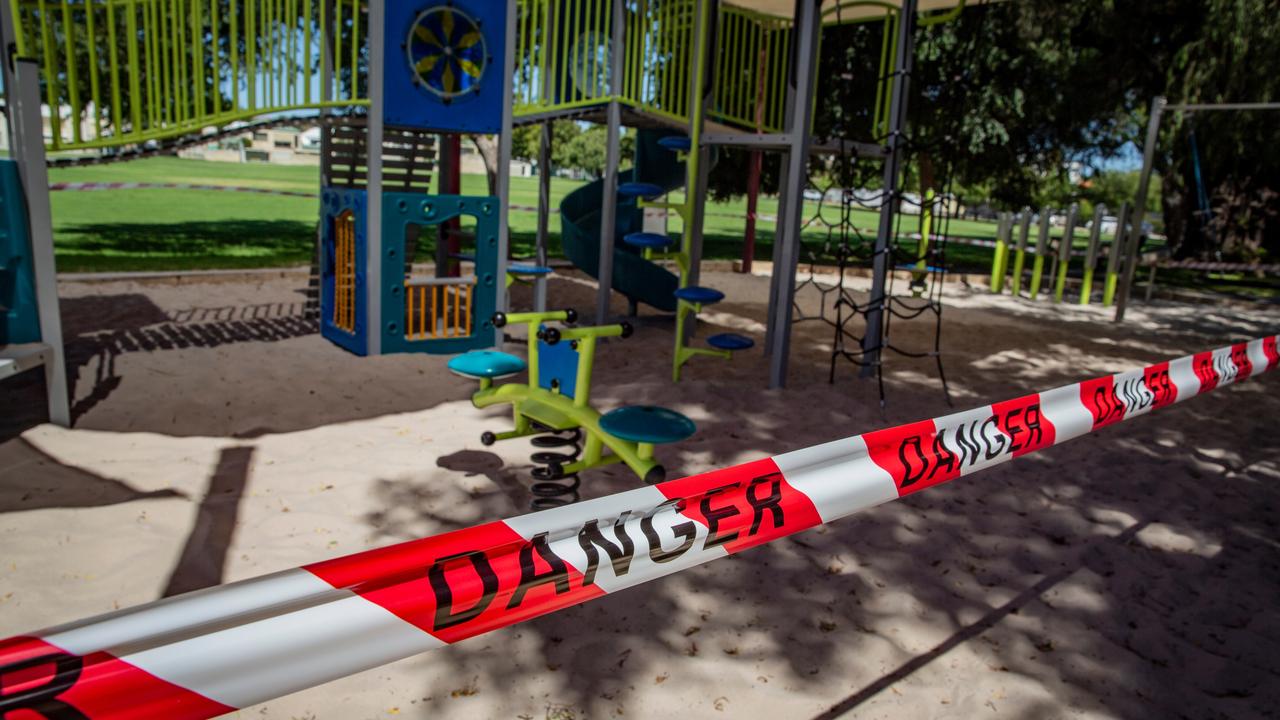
{"x": 552, "y": 487}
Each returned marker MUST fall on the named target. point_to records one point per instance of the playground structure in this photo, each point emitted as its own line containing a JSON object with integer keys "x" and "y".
{"x": 694, "y": 77}
{"x": 206, "y": 654}
{"x": 387, "y": 79}
{"x": 555, "y": 404}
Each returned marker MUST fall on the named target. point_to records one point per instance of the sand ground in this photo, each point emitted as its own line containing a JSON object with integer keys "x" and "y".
{"x": 1131, "y": 573}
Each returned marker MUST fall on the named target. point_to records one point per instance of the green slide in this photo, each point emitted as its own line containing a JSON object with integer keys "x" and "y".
{"x": 638, "y": 279}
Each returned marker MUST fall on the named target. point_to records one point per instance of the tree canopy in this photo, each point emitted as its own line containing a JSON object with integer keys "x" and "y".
{"x": 1015, "y": 102}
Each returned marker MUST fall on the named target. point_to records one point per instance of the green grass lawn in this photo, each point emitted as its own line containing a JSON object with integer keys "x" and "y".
{"x": 116, "y": 230}
{"x": 119, "y": 230}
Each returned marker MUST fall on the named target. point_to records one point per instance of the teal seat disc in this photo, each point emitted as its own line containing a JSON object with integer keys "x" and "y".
{"x": 486, "y": 364}
{"x": 647, "y": 424}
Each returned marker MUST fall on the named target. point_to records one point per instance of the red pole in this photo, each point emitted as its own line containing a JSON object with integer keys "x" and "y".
{"x": 451, "y": 184}
{"x": 753, "y": 190}
{"x": 754, "y": 165}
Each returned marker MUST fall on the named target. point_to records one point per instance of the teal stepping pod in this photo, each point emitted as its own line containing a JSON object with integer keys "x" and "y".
{"x": 647, "y": 424}
{"x": 486, "y": 364}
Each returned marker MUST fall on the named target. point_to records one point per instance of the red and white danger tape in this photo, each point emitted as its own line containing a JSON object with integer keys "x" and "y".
{"x": 210, "y": 652}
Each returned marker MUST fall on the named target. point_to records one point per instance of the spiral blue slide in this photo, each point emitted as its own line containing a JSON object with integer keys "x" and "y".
{"x": 640, "y": 280}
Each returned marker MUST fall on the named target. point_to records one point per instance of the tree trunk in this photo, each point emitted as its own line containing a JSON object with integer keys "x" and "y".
{"x": 487, "y": 146}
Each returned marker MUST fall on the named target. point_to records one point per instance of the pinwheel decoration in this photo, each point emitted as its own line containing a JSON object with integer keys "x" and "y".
{"x": 446, "y": 52}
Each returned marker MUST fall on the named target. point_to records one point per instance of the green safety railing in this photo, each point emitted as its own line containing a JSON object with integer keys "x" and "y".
{"x": 751, "y": 69}
{"x": 660, "y": 57}
{"x": 562, "y": 56}
{"x": 129, "y": 71}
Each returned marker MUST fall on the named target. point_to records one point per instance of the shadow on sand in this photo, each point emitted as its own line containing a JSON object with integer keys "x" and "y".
{"x": 1129, "y": 573}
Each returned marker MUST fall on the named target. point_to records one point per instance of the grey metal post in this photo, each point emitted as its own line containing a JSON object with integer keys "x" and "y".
{"x": 504, "y": 169}
{"x": 806, "y": 28}
{"x": 1004, "y": 233}
{"x": 1117, "y": 240}
{"x": 700, "y": 94}
{"x": 373, "y": 181}
{"x": 902, "y": 63}
{"x": 1095, "y": 237}
{"x": 1020, "y": 254}
{"x": 326, "y": 94}
{"x": 22, "y": 85}
{"x": 326, "y": 61}
{"x": 1024, "y": 232}
{"x": 609, "y": 197}
{"x": 544, "y": 208}
{"x": 775, "y": 272}
{"x": 26, "y": 147}
{"x": 699, "y": 190}
{"x": 1042, "y": 250}
{"x": 1140, "y": 204}
{"x": 1042, "y": 234}
{"x": 1062, "y": 262}
{"x": 1068, "y": 234}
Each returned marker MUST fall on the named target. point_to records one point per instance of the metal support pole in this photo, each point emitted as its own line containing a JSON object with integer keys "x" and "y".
{"x": 504, "y": 169}
{"x": 1091, "y": 257}
{"x": 1140, "y": 204}
{"x": 22, "y": 84}
{"x": 699, "y": 100}
{"x": 1064, "y": 252}
{"x": 326, "y": 95}
{"x": 697, "y": 168}
{"x": 697, "y": 215}
{"x": 1020, "y": 253}
{"x": 544, "y": 209}
{"x": 26, "y": 147}
{"x": 613, "y": 136}
{"x": 373, "y": 182}
{"x": 1004, "y": 228}
{"x": 902, "y": 62}
{"x": 775, "y": 270}
{"x": 1113, "y": 255}
{"x": 796, "y": 158}
{"x": 1042, "y": 249}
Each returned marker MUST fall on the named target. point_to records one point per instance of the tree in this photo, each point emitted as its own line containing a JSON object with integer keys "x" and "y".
{"x": 1235, "y": 58}
{"x": 527, "y": 138}
{"x": 1114, "y": 187}
{"x": 1009, "y": 97}
{"x": 586, "y": 151}
{"x": 487, "y": 146}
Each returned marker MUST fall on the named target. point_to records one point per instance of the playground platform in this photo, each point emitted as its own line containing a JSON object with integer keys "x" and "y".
{"x": 1082, "y": 582}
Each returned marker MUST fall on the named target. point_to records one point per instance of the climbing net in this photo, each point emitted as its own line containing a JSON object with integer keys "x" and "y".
{"x": 916, "y": 258}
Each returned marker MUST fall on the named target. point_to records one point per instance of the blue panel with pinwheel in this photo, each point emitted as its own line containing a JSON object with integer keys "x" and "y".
{"x": 443, "y": 66}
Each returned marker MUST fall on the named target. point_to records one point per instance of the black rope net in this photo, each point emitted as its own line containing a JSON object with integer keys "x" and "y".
{"x": 916, "y": 266}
